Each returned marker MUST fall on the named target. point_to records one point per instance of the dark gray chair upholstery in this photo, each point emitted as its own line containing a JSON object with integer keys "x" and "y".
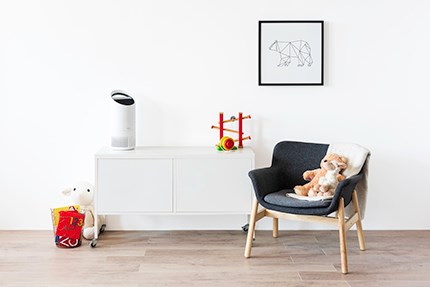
{"x": 290, "y": 160}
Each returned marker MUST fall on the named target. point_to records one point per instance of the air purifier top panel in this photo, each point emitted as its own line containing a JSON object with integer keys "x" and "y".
{"x": 122, "y": 98}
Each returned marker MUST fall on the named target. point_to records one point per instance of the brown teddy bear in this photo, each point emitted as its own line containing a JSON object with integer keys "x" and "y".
{"x": 323, "y": 181}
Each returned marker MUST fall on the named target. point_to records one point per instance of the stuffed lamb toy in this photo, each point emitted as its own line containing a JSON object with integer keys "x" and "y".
{"x": 82, "y": 193}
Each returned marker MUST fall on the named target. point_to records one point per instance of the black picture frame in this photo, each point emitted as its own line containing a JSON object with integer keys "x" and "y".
{"x": 291, "y": 53}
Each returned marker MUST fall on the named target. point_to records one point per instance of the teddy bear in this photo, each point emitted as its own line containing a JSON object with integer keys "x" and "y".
{"x": 82, "y": 193}
{"x": 327, "y": 184}
{"x": 323, "y": 181}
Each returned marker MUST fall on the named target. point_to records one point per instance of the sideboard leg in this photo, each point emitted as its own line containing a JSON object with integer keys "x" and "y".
{"x": 246, "y": 226}
{"x": 96, "y": 230}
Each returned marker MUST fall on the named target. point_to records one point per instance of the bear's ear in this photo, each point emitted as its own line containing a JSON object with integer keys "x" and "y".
{"x": 343, "y": 165}
{"x": 67, "y": 191}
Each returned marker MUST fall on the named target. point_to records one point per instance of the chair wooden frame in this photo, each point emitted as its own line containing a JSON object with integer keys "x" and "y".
{"x": 344, "y": 224}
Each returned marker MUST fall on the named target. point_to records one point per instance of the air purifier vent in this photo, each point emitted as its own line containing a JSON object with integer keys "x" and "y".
{"x": 122, "y": 98}
{"x": 120, "y": 142}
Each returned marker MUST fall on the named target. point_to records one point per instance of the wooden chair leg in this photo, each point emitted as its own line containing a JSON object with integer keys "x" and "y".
{"x": 342, "y": 236}
{"x": 275, "y": 227}
{"x": 251, "y": 228}
{"x": 358, "y": 224}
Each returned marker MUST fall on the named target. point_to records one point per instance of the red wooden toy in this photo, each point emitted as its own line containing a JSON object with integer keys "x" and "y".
{"x": 227, "y": 143}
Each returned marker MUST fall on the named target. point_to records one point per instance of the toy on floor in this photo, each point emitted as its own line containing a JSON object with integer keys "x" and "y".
{"x": 69, "y": 229}
{"x": 55, "y": 215}
{"x": 323, "y": 181}
{"x": 227, "y": 143}
{"x": 82, "y": 193}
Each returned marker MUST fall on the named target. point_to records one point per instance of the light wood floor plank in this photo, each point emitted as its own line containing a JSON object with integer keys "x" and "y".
{"x": 215, "y": 258}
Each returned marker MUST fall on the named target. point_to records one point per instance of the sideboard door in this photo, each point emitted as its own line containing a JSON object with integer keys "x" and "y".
{"x": 134, "y": 185}
{"x": 213, "y": 185}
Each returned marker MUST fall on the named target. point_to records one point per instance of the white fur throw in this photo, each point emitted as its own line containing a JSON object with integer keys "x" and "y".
{"x": 356, "y": 156}
{"x": 309, "y": 198}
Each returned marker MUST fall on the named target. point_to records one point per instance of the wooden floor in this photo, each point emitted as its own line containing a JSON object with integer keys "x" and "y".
{"x": 215, "y": 258}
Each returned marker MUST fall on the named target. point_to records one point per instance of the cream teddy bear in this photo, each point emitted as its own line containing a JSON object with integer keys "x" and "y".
{"x": 314, "y": 186}
{"x": 327, "y": 183}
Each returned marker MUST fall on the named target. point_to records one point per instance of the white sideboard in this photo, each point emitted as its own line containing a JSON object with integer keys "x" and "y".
{"x": 173, "y": 180}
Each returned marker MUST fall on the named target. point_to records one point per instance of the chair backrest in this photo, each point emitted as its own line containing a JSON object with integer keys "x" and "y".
{"x": 294, "y": 158}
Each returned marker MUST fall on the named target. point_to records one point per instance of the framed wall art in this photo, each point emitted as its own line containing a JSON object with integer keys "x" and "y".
{"x": 291, "y": 53}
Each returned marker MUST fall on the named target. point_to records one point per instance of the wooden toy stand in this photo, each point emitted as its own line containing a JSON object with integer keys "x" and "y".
{"x": 239, "y": 131}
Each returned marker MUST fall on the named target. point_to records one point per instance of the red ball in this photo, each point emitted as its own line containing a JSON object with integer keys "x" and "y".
{"x": 229, "y": 144}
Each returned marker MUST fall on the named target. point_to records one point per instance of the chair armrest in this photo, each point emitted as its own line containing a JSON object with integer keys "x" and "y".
{"x": 346, "y": 187}
{"x": 265, "y": 181}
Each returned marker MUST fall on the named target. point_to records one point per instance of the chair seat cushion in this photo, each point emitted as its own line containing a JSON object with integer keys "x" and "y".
{"x": 279, "y": 198}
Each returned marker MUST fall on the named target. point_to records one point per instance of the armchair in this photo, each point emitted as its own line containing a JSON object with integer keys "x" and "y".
{"x": 290, "y": 160}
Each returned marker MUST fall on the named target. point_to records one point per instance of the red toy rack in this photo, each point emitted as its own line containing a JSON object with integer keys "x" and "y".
{"x": 239, "y": 131}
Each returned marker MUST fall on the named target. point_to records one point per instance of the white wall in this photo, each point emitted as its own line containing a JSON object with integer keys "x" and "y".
{"x": 184, "y": 61}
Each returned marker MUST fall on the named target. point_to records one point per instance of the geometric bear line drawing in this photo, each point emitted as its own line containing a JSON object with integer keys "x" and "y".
{"x": 299, "y": 49}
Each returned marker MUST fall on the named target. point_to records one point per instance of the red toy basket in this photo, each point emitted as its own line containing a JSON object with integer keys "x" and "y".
{"x": 69, "y": 229}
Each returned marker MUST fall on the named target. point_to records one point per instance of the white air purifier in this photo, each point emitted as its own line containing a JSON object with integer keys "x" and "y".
{"x": 123, "y": 121}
